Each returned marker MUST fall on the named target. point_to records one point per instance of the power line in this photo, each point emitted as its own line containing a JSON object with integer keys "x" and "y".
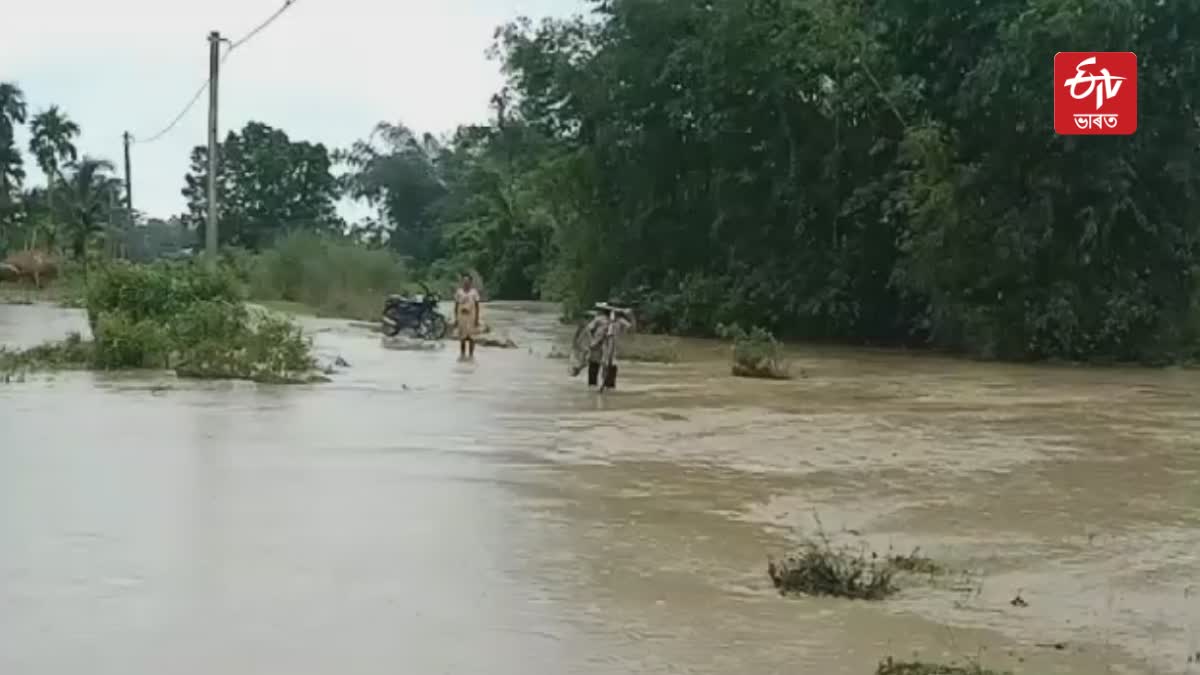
{"x": 204, "y": 86}
{"x": 271, "y": 19}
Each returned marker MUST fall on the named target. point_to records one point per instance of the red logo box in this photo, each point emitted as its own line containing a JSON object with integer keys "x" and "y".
{"x": 1095, "y": 93}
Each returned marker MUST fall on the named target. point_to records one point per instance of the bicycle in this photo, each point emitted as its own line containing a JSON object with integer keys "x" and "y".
{"x": 584, "y": 343}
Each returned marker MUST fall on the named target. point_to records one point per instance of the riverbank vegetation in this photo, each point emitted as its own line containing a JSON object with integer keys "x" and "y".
{"x": 872, "y": 173}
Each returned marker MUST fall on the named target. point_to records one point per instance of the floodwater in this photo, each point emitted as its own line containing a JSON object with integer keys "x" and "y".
{"x": 419, "y": 515}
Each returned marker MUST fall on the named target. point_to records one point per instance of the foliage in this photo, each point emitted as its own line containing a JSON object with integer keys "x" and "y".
{"x": 330, "y": 274}
{"x": 227, "y": 343}
{"x": 123, "y": 341}
{"x": 268, "y": 184}
{"x": 90, "y": 194}
{"x": 399, "y": 176}
{"x": 12, "y": 172}
{"x": 872, "y": 171}
{"x": 72, "y": 352}
{"x": 756, "y": 353}
{"x": 157, "y": 292}
{"x": 52, "y": 145}
{"x": 190, "y": 318}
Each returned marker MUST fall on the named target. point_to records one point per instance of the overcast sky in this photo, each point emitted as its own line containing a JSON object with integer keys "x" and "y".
{"x": 326, "y": 70}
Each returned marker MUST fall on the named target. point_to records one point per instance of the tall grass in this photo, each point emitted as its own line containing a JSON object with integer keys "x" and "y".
{"x": 331, "y": 276}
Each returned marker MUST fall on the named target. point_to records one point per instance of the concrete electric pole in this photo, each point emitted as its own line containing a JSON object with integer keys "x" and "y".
{"x": 214, "y": 64}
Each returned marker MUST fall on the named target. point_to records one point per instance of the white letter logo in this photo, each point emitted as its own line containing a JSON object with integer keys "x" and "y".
{"x": 1111, "y": 86}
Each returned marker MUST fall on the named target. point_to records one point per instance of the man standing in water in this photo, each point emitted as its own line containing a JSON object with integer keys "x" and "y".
{"x": 603, "y": 330}
{"x": 466, "y": 316}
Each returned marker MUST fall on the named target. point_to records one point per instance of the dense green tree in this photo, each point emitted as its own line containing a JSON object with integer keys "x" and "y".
{"x": 869, "y": 171}
{"x": 397, "y": 173}
{"x": 267, "y": 184}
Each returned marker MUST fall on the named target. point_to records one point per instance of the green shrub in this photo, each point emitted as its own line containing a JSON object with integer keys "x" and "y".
{"x": 331, "y": 275}
{"x": 192, "y": 318}
{"x": 264, "y": 348}
{"x": 157, "y": 291}
{"x": 209, "y": 320}
{"x": 756, "y": 353}
{"x": 122, "y": 342}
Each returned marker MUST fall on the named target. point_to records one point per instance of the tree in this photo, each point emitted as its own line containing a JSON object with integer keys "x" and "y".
{"x": 870, "y": 172}
{"x": 52, "y": 144}
{"x": 90, "y": 196}
{"x": 267, "y": 184}
{"x": 399, "y": 176}
{"x": 494, "y": 216}
{"x": 12, "y": 115}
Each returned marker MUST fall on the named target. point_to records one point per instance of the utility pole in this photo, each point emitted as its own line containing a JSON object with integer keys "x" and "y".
{"x": 214, "y": 64}
{"x": 128, "y": 181}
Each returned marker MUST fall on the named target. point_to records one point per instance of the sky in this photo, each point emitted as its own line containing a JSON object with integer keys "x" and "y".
{"x": 326, "y": 71}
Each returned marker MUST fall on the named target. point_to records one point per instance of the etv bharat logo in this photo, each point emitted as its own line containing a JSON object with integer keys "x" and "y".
{"x": 1095, "y": 93}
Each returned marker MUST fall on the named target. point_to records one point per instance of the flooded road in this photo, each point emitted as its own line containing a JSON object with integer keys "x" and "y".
{"x": 419, "y": 515}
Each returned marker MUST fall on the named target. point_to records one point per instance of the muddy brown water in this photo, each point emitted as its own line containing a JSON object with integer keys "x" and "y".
{"x": 418, "y": 515}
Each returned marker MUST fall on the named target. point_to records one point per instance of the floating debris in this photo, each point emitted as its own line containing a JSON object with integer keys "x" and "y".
{"x": 891, "y": 667}
{"x": 915, "y": 563}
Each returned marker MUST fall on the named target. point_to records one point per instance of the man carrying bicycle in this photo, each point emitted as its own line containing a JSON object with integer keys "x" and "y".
{"x": 603, "y": 330}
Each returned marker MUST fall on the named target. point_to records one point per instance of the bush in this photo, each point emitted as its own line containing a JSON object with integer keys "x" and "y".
{"x": 333, "y": 276}
{"x": 184, "y": 317}
{"x": 122, "y": 342}
{"x": 261, "y": 348}
{"x": 756, "y": 353}
{"x": 156, "y": 292}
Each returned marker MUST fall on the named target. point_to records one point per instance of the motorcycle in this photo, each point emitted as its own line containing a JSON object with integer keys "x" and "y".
{"x": 418, "y": 315}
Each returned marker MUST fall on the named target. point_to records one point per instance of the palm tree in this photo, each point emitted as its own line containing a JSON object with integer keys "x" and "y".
{"x": 11, "y": 172}
{"x": 52, "y": 144}
{"x": 89, "y": 193}
{"x": 12, "y": 114}
{"x": 12, "y": 109}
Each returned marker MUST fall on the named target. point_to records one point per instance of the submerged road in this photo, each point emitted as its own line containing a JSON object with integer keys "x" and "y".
{"x": 419, "y": 515}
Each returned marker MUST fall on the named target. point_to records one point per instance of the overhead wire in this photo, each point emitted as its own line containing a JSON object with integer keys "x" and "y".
{"x": 204, "y": 86}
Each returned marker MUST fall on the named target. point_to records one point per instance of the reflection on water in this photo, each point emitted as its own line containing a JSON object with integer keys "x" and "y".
{"x": 421, "y": 515}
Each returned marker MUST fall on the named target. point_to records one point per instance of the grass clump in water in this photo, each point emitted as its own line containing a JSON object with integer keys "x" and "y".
{"x": 756, "y": 353}
{"x": 818, "y": 569}
{"x": 891, "y": 667}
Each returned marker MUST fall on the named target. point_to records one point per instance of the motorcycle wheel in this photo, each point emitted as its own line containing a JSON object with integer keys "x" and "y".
{"x": 389, "y": 329}
{"x": 432, "y": 327}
